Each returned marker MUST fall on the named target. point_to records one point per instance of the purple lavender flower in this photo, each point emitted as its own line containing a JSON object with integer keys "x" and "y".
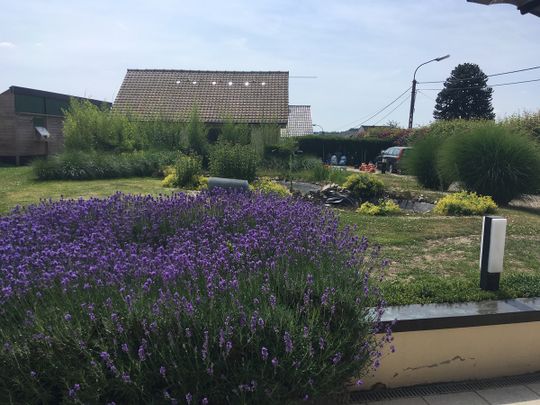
{"x": 264, "y": 353}
{"x": 162, "y": 371}
{"x": 288, "y": 342}
{"x": 67, "y": 317}
{"x": 275, "y": 362}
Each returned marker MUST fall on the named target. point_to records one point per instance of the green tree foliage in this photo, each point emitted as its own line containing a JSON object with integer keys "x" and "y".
{"x": 88, "y": 127}
{"x": 197, "y": 133}
{"x": 465, "y": 95}
{"x": 235, "y": 133}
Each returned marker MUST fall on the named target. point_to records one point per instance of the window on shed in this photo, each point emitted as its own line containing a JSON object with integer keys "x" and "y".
{"x": 29, "y": 104}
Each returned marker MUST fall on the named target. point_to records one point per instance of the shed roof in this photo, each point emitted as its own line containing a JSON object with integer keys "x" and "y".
{"x": 299, "y": 120}
{"x": 248, "y": 97}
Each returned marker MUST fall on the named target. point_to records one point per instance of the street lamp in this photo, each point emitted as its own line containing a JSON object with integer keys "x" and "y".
{"x": 317, "y": 125}
{"x": 413, "y": 88}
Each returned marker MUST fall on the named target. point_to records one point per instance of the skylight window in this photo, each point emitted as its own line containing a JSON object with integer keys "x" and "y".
{"x": 230, "y": 83}
{"x": 214, "y": 83}
{"x": 42, "y": 132}
{"x": 263, "y": 84}
{"x": 246, "y": 83}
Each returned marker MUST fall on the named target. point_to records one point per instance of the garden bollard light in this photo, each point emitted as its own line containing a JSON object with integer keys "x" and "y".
{"x": 492, "y": 252}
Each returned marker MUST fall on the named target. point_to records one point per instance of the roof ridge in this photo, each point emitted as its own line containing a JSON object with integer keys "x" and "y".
{"x": 207, "y": 71}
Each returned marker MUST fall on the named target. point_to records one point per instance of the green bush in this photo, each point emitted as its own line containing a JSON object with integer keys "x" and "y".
{"x": 233, "y": 161}
{"x": 268, "y": 186}
{"x": 386, "y": 207}
{"x": 465, "y": 203}
{"x": 93, "y": 165}
{"x": 526, "y": 122}
{"x": 197, "y": 136}
{"x": 88, "y": 128}
{"x": 263, "y": 136}
{"x": 364, "y": 186}
{"x": 187, "y": 170}
{"x": 320, "y": 172}
{"x": 235, "y": 133}
{"x": 492, "y": 160}
{"x": 423, "y": 160}
{"x": 338, "y": 176}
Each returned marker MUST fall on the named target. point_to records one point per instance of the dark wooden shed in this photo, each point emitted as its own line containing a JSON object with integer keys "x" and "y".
{"x": 31, "y": 122}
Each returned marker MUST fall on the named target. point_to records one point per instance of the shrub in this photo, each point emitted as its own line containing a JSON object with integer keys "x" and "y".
{"x": 93, "y": 165}
{"x": 422, "y": 162}
{"x": 233, "y": 161}
{"x": 338, "y": 176}
{"x": 320, "y": 172}
{"x": 268, "y": 186}
{"x": 197, "y": 135}
{"x": 235, "y": 133}
{"x": 187, "y": 170}
{"x": 364, "y": 186}
{"x": 263, "y": 136}
{"x": 219, "y": 298}
{"x": 527, "y": 122}
{"x": 386, "y": 207}
{"x": 90, "y": 128}
{"x": 491, "y": 160}
{"x": 465, "y": 203}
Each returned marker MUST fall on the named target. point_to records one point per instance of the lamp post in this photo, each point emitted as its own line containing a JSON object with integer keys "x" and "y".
{"x": 413, "y": 88}
{"x": 322, "y": 133}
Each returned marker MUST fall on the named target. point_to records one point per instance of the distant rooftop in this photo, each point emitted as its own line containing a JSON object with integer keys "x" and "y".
{"x": 299, "y": 120}
{"x": 247, "y": 97}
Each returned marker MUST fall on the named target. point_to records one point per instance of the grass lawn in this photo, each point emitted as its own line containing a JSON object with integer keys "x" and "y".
{"x": 18, "y": 187}
{"x": 433, "y": 258}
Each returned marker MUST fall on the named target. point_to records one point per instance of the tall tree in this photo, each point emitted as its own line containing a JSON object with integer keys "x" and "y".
{"x": 465, "y": 95}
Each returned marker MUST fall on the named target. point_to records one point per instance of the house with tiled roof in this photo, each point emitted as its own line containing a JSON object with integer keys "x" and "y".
{"x": 299, "y": 122}
{"x": 243, "y": 97}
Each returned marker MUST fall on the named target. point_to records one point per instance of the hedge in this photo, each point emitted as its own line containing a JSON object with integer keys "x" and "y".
{"x": 356, "y": 150}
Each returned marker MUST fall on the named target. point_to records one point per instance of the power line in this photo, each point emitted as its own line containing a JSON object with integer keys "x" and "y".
{"x": 377, "y": 113}
{"x": 491, "y": 85}
{"x": 491, "y": 75}
{"x": 394, "y": 109}
{"x": 425, "y": 95}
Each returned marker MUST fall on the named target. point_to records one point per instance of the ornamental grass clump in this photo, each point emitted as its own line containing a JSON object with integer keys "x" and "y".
{"x": 217, "y": 298}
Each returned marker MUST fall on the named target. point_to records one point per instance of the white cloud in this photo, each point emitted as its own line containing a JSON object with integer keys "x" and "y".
{"x": 6, "y": 44}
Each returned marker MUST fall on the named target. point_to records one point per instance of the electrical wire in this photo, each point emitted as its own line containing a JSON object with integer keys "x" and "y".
{"x": 425, "y": 95}
{"x": 374, "y": 115}
{"x": 394, "y": 109}
{"x": 484, "y": 87}
{"x": 491, "y": 75}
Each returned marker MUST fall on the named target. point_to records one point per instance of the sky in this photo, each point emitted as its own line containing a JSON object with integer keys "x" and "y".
{"x": 362, "y": 52}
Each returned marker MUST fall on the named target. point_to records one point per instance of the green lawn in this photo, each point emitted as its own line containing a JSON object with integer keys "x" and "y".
{"x": 18, "y": 187}
{"x": 432, "y": 258}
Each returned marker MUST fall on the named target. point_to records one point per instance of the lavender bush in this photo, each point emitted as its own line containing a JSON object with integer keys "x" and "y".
{"x": 219, "y": 298}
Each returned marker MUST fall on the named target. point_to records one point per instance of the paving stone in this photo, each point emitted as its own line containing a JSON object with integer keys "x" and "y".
{"x": 401, "y": 401}
{"x": 535, "y": 387}
{"x": 509, "y": 395}
{"x": 461, "y": 398}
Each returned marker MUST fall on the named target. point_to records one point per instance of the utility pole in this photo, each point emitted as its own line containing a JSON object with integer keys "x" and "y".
{"x": 413, "y": 87}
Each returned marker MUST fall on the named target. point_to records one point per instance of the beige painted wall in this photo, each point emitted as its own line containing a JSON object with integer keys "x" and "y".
{"x": 445, "y": 355}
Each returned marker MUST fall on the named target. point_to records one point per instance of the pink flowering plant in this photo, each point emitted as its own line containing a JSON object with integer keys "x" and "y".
{"x": 218, "y": 298}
